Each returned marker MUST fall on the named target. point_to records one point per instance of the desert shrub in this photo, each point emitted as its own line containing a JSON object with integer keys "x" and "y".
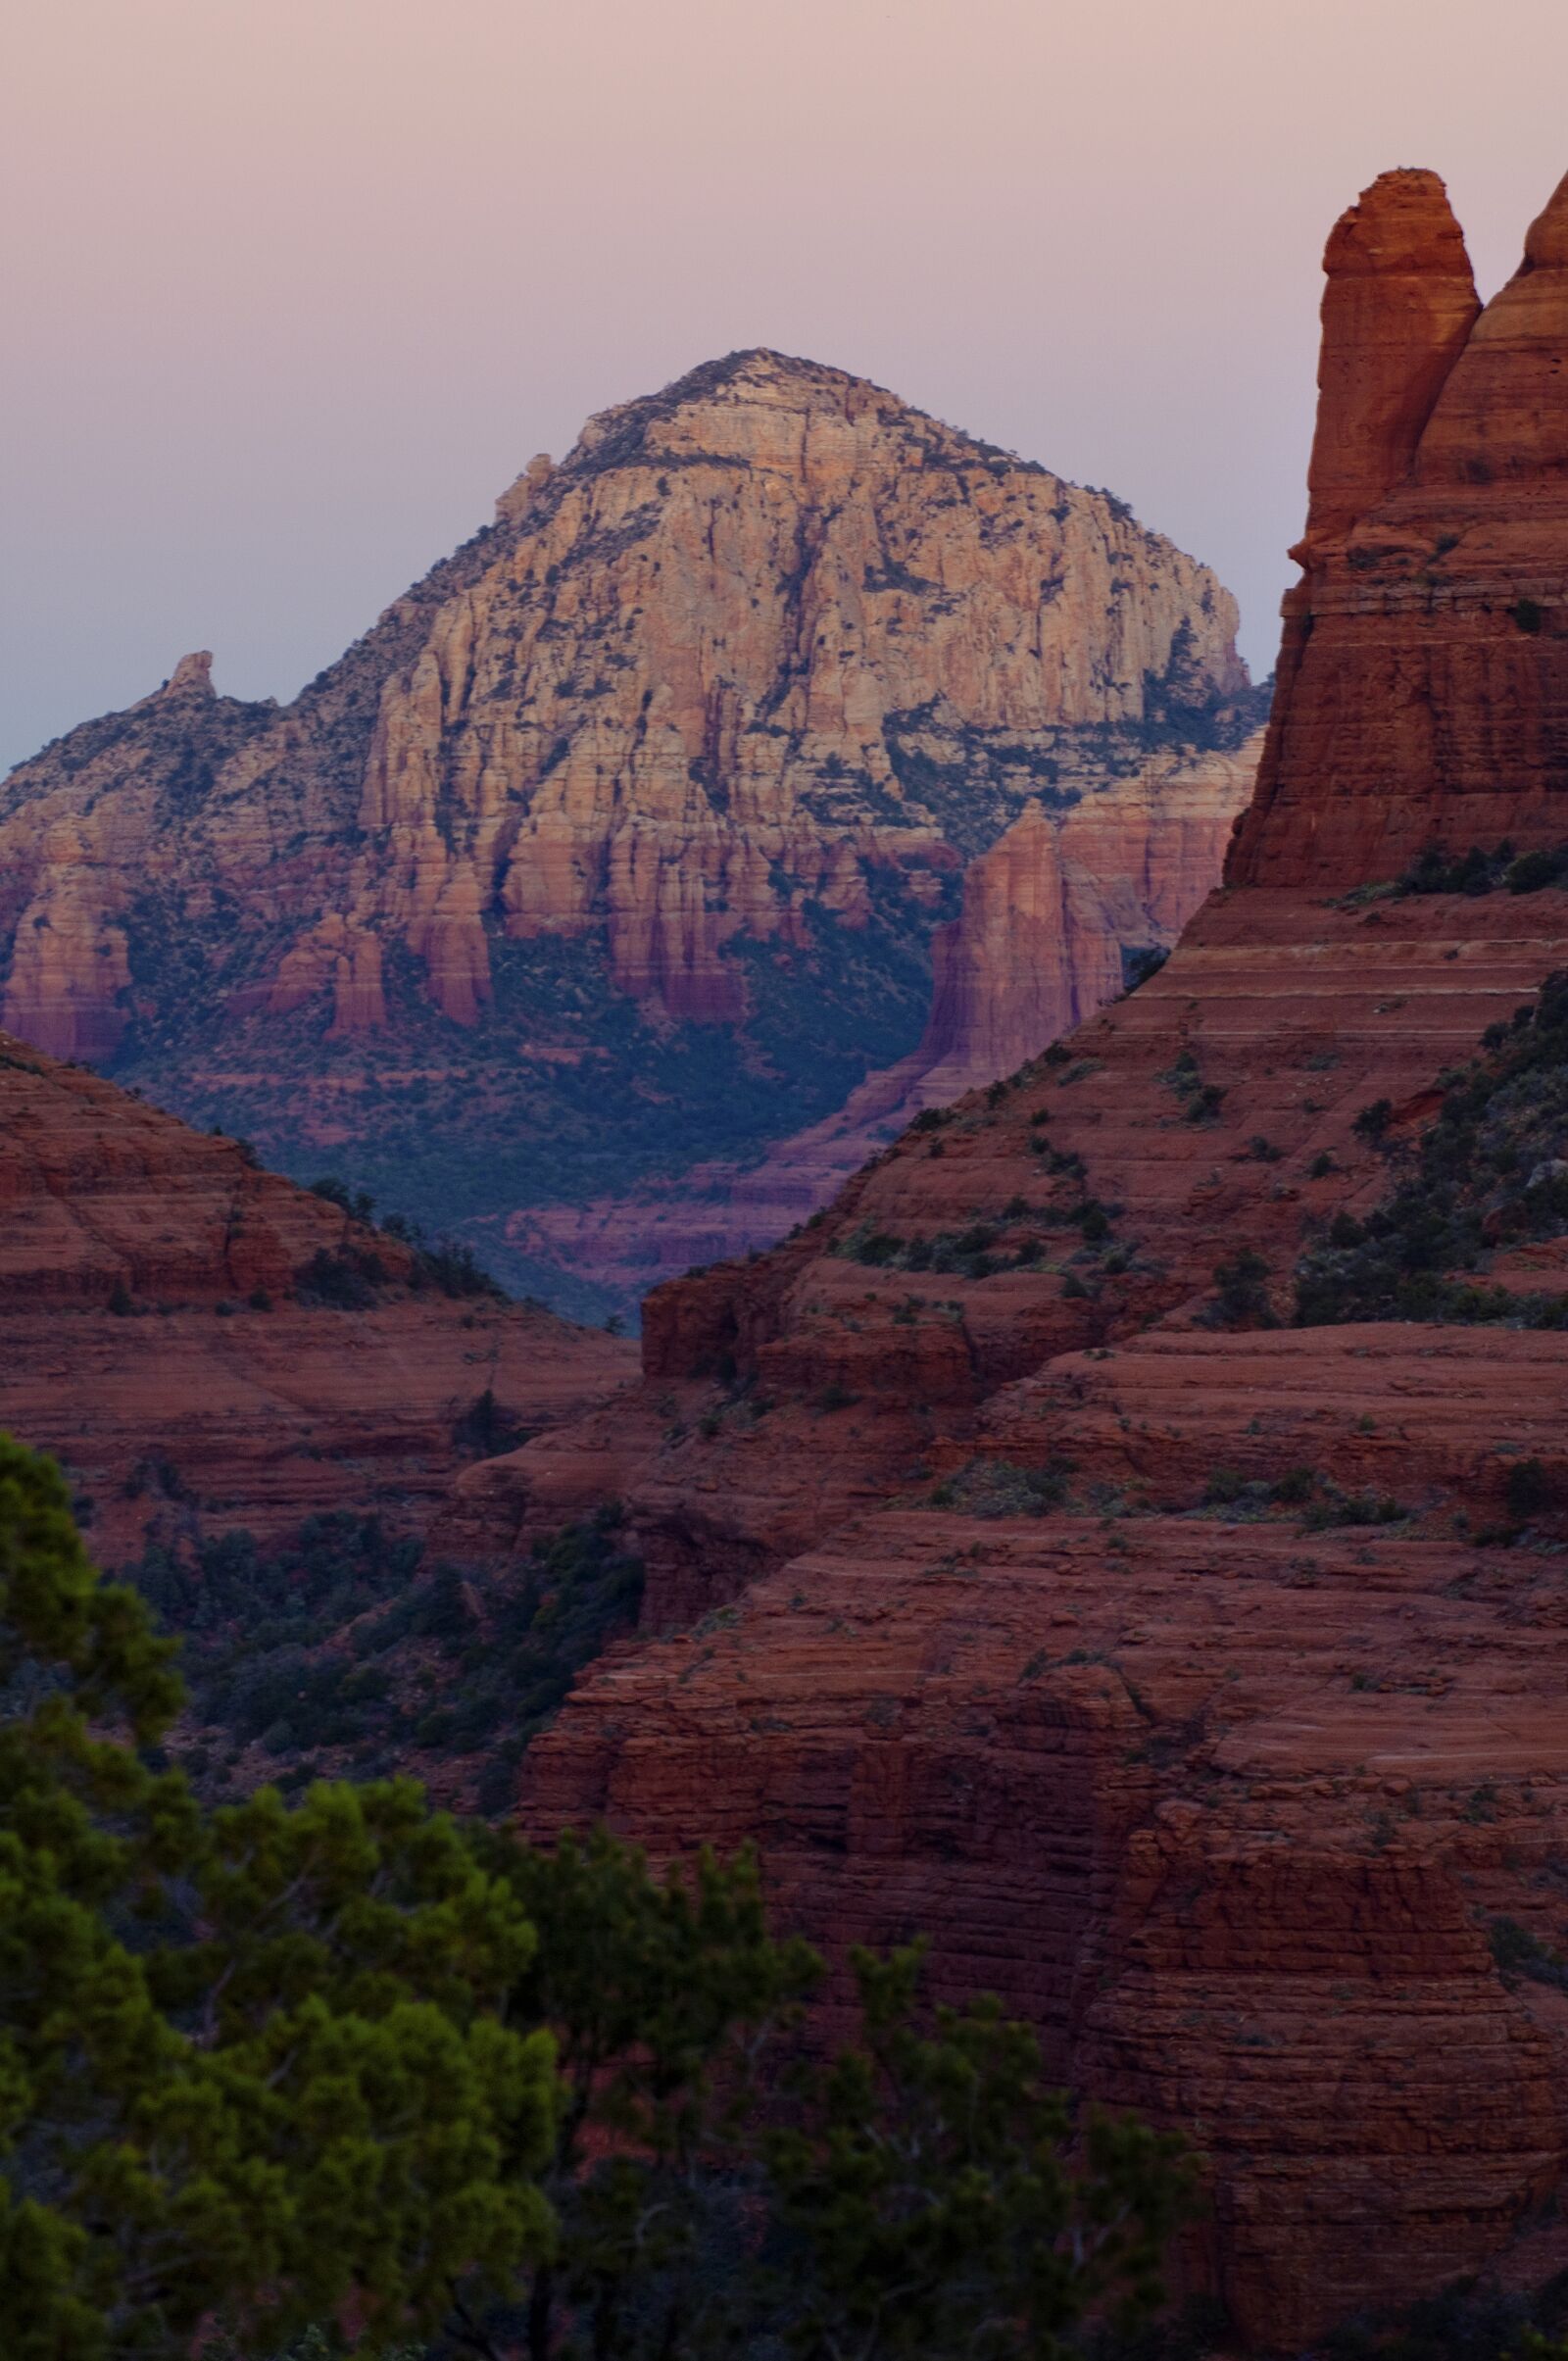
{"x": 997, "y": 1488}
{"x": 1533, "y": 871}
{"x": 1528, "y": 1488}
{"x": 1486, "y": 1173}
{"x": 1520, "y": 1953}
{"x": 1241, "y": 1297}
{"x": 340, "y": 1279}
{"x": 1335, "y": 1507}
{"x": 488, "y": 1429}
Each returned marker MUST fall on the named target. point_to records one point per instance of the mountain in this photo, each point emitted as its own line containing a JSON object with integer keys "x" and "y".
{"x": 618, "y": 845}
{"x": 1122, "y": 1536}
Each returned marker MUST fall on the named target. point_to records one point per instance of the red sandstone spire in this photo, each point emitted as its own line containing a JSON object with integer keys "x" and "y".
{"x": 1503, "y": 412}
{"x": 1422, "y": 694}
{"x": 1399, "y": 304}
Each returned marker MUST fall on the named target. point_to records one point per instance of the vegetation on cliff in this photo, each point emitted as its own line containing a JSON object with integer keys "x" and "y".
{"x": 342, "y": 1651}
{"x": 1490, "y": 1173}
{"x": 347, "y": 2062}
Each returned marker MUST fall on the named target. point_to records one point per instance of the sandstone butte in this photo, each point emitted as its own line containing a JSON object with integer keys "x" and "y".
{"x": 617, "y": 845}
{"x": 188, "y": 1406}
{"x": 1243, "y": 1815}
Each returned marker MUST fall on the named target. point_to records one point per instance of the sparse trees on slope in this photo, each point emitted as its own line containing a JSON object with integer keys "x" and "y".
{"x": 345, "y": 2072}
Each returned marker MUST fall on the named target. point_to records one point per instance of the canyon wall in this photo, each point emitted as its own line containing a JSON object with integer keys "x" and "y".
{"x": 1056, "y": 913}
{"x": 618, "y": 844}
{"x": 1019, "y": 1572}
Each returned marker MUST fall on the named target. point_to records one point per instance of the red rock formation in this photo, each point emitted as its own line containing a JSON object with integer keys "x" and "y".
{"x": 1206, "y": 1884}
{"x": 1423, "y": 684}
{"x": 1397, "y": 311}
{"x": 149, "y": 1318}
{"x": 1243, "y": 1808}
{"x": 715, "y": 710}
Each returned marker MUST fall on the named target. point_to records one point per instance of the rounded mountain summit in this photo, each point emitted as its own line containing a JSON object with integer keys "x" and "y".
{"x": 622, "y": 843}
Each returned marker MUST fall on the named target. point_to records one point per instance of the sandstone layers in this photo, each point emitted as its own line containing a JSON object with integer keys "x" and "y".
{"x": 155, "y": 1334}
{"x": 617, "y": 843}
{"x": 1424, "y": 670}
{"x": 972, "y": 1599}
{"x": 1050, "y": 915}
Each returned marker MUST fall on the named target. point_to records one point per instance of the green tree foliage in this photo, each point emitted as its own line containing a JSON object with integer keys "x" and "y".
{"x": 257, "y": 2063}
{"x": 930, "y": 2186}
{"x": 343, "y": 2075}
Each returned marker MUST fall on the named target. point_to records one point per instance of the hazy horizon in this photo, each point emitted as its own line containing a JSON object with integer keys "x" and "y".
{"x": 298, "y": 286}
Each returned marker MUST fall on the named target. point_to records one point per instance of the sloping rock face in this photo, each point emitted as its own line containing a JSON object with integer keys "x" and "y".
{"x": 158, "y": 1331}
{"x": 1050, "y": 914}
{"x": 1194, "y": 1681}
{"x": 1424, "y": 672}
{"x": 617, "y": 845}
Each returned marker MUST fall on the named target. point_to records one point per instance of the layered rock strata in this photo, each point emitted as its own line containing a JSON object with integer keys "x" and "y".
{"x": 677, "y": 764}
{"x": 1054, "y": 916}
{"x": 1424, "y": 670}
{"x": 1192, "y": 1680}
{"x": 157, "y": 1331}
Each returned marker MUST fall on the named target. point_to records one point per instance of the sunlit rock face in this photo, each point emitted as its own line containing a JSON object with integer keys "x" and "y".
{"x": 618, "y": 844}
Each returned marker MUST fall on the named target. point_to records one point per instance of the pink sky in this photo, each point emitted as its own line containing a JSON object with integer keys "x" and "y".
{"x": 296, "y": 287}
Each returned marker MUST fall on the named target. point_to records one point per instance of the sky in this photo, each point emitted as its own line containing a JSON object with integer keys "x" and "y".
{"x": 295, "y": 287}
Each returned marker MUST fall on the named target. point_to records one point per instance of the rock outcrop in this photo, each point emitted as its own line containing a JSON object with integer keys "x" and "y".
{"x": 1424, "y": 674}
{"x": 1018, "y": 1573}
{"x": 617, "y": 845}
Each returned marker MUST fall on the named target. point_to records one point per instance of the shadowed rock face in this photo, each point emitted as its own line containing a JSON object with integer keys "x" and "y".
{"x": 156, "y": 1335}
{"x": 618, "y": 843}
{"x": 972, "y": 1600}
{"x": 1422, "y": 691}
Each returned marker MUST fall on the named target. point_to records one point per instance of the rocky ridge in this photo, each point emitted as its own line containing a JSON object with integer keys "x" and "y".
{"x": 674, "y": 767}
{"x": 208, "y": 1348}
{"x": 1019, "y": 1573}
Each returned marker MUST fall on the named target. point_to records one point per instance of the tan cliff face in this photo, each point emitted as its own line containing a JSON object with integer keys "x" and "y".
{"x": 1050, "y": 915}
{"x": 701, "y": 733}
